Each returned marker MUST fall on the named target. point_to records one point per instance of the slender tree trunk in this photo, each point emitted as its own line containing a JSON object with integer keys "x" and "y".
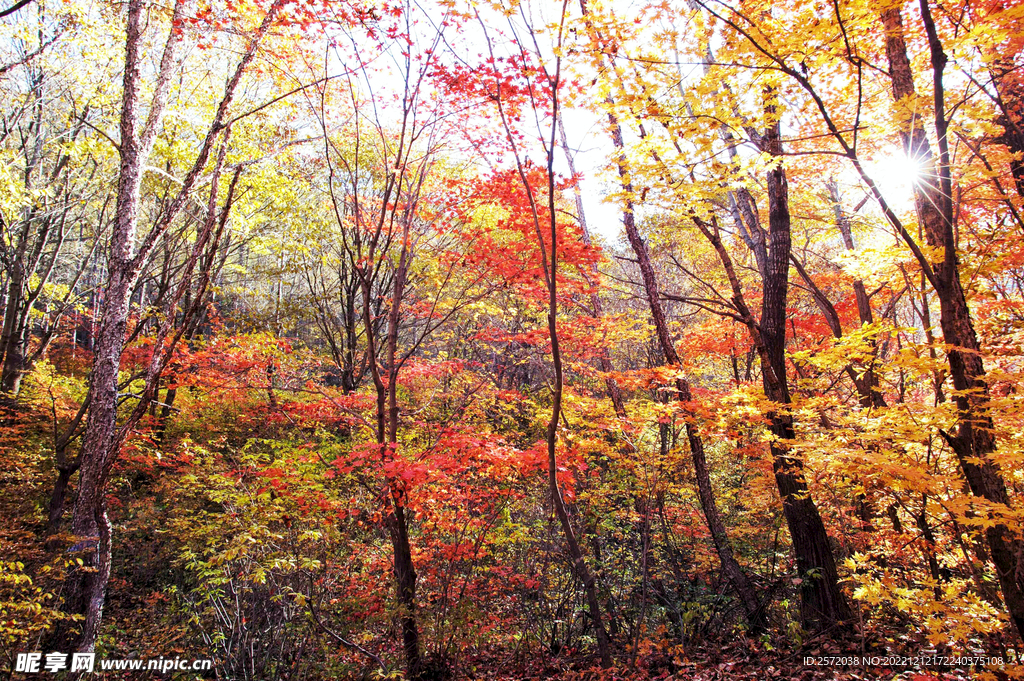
{"x": 65, "y": 469}
{"x": 550, "y": 268}
{"x": 611, "y": 385}
{"x": 822, "y": 601}
{"x": 866, "y": 384}
{"x": 741, "y": 584}
{"x": 405, "y": 571}
{"x": 163, "y": 420}
{"x": 575, "y": 553}
{"x": 387, "y": 415}
{"x": 579, "y": 562}
{"x": 928, "y": 547}
{"x": 738, "y": 579}
{"x": 57, "y": 498}
{"x": 583, "y": 572}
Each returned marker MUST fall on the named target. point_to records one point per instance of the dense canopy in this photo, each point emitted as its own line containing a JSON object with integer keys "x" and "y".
{"x": 513, "y": 338}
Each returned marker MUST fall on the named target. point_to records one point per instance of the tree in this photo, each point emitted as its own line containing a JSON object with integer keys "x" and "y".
{"x": 737, "y": 577}
{"x": 86, "y": 587}
{"x": 53, "y": 196}
{"x": 389, "y": 212}
{"x": 543, "y": 98}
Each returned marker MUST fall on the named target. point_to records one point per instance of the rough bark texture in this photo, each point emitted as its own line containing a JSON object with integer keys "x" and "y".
{"x": 12, "y": 342}
{"x": 85, "y": 588}
{"x": 822, "y": 603}
{"x": 973, "y": 440}
{"x": 1013, "y": 138}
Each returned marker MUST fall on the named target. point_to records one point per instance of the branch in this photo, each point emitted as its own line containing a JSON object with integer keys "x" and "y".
{"x": 31, "y": 55}
{"x": 14, "y": 8}
{"x": 344, "y": 641}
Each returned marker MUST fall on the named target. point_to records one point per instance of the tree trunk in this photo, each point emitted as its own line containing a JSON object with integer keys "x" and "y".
{"x": 405, "y": 577}
{"x": 867, "y": 384}
{"x": 387, "y": 417}
{"x": 11, "y": 338}
{"x": 405, "y": 572}
{"x": 973, "y": 440}
{"x": 57, "y": 498}
{"x": 738, "y": 579}
{"x": 15, "y": 362}
{"x": 85, "y": 588}
{"x": 583, "y": 573}
{"x": 741, "y": 584}
{"x": 822, "y": 601}
{"x": 395, "y": 518}
{"x": 550, "y": 267}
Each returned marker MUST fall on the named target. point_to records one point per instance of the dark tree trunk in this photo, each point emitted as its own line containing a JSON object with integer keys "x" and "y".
{"x": 738, "y": 579}
{"x": 57, "y": 498}
{"x": 405, "y": 571}
{"x": 822, "y": 601}
{"x": 405, "y": 577}
{"x": 387, "y": 418}
{"x": 15, "y": 363}
{"x": 164, "y": 418}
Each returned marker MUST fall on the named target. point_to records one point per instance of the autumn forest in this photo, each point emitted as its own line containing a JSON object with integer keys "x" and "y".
{"x": 512, "y": 339}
